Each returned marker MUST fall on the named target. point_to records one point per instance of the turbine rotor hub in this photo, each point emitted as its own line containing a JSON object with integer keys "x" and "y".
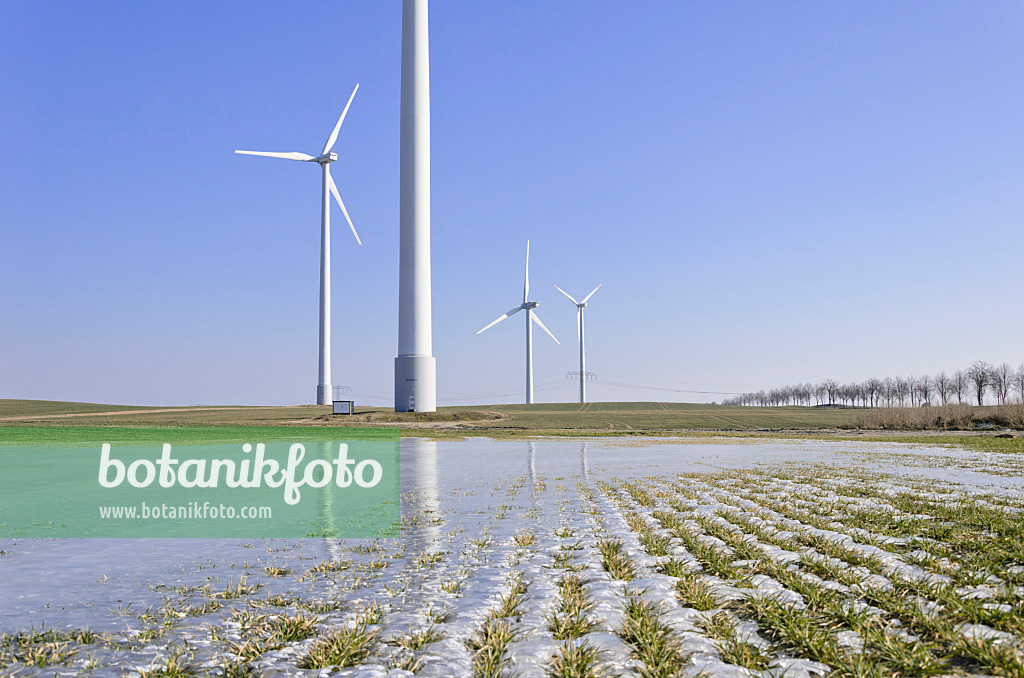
{"x": 531, "y": 304}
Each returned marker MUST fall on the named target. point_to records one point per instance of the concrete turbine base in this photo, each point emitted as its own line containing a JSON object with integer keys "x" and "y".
{"x": 323, "y": 394}
{"x": 415, "y": 378}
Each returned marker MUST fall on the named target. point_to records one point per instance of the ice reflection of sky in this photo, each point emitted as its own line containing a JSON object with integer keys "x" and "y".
{"x": 77, "y": 582}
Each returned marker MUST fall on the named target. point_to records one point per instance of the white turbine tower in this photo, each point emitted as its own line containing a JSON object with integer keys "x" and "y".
{"x": 531, "y": 318}
{"x": 323, "y": 388}
{"x": 415, "y": 368}
{"x": 580, "y": 305}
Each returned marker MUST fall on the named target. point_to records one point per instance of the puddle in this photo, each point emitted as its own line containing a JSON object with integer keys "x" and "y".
{"x": 464, "y": 505}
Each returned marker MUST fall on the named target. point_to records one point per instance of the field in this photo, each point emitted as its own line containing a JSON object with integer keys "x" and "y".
{"x": 70, "y": 422}
{"x": 713, "y": 557}
{"x": 778, "y": 544}
{"x": 656, "y": 416}
{"x": 496, "y": 419}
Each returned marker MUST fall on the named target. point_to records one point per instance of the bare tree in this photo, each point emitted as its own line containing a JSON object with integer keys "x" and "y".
{"x": 902, "y": 388}
{"x": 872, "y": 389}
{"x": 960, "y": 383}
{"x": 943, "y": 386}
{"x": 831, "y": 388}
{"x": 1001, "y": 381}
{"x": 858, "y": 392}
{"x": 979, "y": 375}
{"x": 925, "y": 387}
{"x": 889, "y": 390}
{"x": 1018, "y": 382}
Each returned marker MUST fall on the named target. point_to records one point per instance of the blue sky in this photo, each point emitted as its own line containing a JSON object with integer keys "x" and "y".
{"x": 769, "y": 192}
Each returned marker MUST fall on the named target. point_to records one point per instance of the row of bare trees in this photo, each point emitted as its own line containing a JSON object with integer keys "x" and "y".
{"x": 973, "y": 384}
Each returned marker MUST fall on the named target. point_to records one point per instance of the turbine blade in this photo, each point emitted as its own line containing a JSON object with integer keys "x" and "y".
{"x": 579, "y": 325}
{"x": 513, "y": 311}
{"x": 334, "y": 134}
{"x": 566, "y": 294}
{"x": 286, "y": 156}
{"x": 537, "y": 320}
{"x": 591, "y": 294}
{"x": 334, "y": 192}
{"x": 526, "y": 285}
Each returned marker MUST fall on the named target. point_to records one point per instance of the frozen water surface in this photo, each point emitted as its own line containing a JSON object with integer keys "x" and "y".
{"x": 493, "y": 529}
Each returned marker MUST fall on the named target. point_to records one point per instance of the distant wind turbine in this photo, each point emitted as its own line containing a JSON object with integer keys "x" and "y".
{"x": 580, "y": 305}
{"x": 531, "y": 318}
{"x": 323, "y": 389}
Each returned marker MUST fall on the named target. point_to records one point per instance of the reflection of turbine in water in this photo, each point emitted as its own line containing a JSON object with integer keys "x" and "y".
{"x": 328, "y": 518}
{"x": 328, "y": 522}
{"x": 531, "y": 463}
{"x": 583, "y": 458}
{"x": 421, "y": 501}
{"x": 531, "y": 457}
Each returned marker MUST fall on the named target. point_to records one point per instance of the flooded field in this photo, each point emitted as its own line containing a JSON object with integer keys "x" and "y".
{"x": 571, "y": 558}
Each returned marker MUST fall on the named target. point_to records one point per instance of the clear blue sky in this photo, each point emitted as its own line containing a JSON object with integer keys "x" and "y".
{"x": 769, "y": 192}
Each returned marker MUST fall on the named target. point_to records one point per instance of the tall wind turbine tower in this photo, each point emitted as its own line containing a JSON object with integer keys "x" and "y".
{"x": 326, "y": 157}
{"x": 531, "y": 318}
{"x": 580, "y": 305}
{"x": 415, "y": 370}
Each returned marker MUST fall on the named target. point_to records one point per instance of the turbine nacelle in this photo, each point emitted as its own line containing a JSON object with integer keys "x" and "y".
{"x": 530, "y": 304}
{"x": 326, "y": 158}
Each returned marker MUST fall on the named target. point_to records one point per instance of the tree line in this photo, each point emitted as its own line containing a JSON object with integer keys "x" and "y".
{"x": 970, "y": 385}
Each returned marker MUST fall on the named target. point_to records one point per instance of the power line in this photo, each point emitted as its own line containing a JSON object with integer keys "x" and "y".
{"x": 543, "y": 387}
{"x": 548, "y": 386}
{"x": 661, "y": 388}
{"x": 693, "y": 383}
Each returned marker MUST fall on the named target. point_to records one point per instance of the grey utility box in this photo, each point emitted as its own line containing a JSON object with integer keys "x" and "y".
{"x": 344, "y": 407}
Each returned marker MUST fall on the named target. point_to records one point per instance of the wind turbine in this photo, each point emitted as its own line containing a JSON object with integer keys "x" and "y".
{"x": 580, "y": 305}
{"x": 531, "y": 318}
{"x": 323, "y": 389}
